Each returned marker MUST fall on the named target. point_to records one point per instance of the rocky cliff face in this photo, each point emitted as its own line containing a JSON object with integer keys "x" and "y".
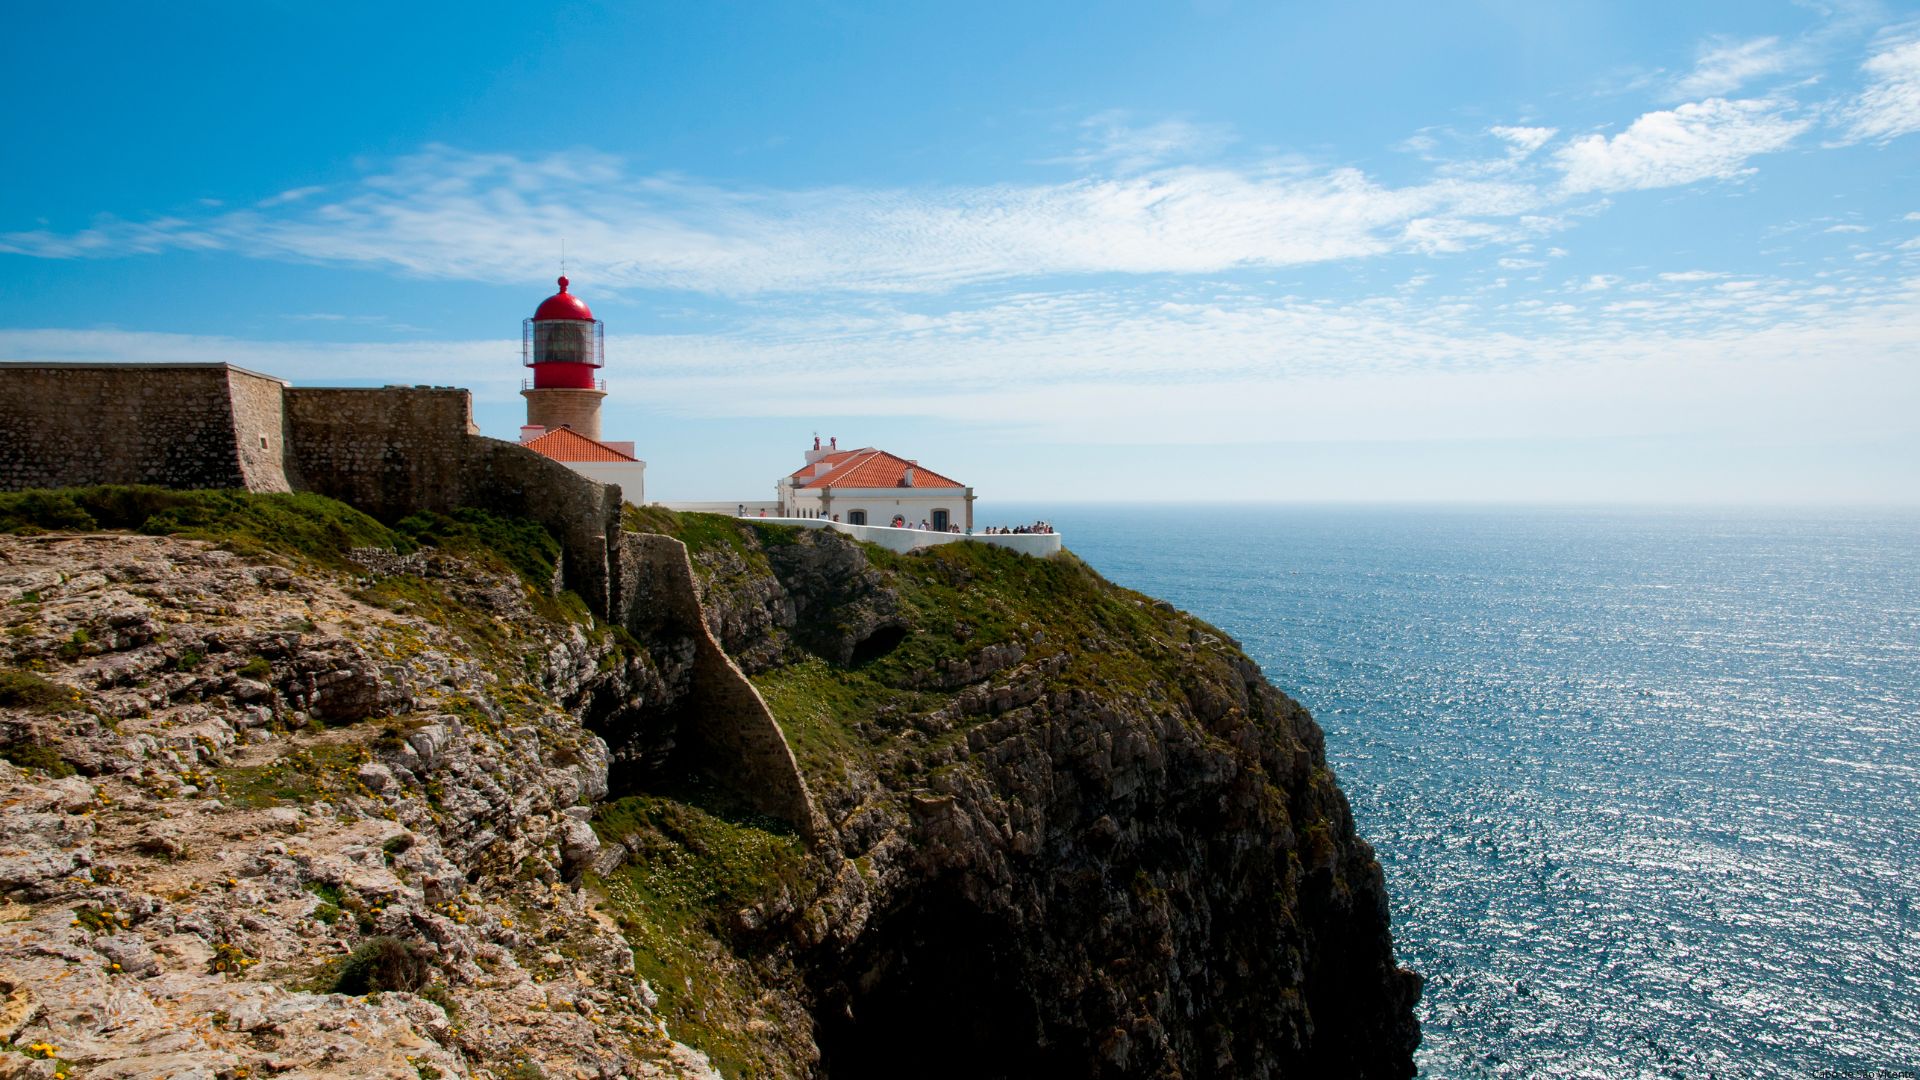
{"x": 248, "y": 783}
{"x": 1074, "y": 832}
{"x": 409, "y": 816}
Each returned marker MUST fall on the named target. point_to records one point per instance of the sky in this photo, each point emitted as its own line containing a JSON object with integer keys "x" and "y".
{"x": 1495, "y": 251}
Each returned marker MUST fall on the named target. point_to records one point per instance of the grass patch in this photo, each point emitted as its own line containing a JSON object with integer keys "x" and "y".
{"x": 301, "y": 524}
{"x": 315, "y": 772}
{"x": 25, "y": 690}
{"x": 819, "y": 705}
{"x": 518, "y": 544}
{"x": 38, "y": 756}
{"x": 698, "y": 859}
{"x": 704, "y": 532}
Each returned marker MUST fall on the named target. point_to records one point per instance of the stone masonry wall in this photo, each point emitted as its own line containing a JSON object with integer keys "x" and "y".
{"x": 258, "y": 404}
{"x": 736, "y": 728}
{"x": 398, "y": 450}
{"x": 66, "y": 425}
{"x": 389, "y": 452}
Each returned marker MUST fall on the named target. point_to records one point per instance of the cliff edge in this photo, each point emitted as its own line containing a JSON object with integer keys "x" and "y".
{"x": 291, "y": 791}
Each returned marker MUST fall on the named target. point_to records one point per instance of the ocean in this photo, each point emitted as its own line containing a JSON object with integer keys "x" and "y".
{"x": 1645, "y": 783}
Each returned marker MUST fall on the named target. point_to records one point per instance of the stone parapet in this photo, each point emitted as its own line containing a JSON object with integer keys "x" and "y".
{"x": 731, "y": 730}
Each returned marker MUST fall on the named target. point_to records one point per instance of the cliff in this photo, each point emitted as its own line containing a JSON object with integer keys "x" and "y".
{"x": 291, "y": 791}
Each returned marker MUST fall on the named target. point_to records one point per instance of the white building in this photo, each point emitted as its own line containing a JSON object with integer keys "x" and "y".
{"x": 872, "y": 487}
{"x": 607, "y": 462}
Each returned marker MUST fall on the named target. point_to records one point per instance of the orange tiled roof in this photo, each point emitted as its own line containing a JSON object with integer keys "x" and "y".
{"x": 870, "y": 468}
{"x": 566, "y": 444}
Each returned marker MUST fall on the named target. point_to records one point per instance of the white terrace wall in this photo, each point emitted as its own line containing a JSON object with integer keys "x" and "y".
{"x": 904, "y": 540}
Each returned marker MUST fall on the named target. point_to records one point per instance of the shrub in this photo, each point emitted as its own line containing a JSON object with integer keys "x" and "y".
{"x": 298, "y": 524}
{"x": 36, "y": 755}
{"x": 38, "y": 511}
{"x": 257, "y": 668}
{"x": 25, "y": 690}
{"x": 383, "y": 963}
{"x": 523, "y": 545}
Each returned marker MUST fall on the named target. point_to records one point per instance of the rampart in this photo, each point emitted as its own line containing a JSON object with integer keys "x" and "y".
{"x": 389, "y": 452}
{"x": 170, "y": 425}
{"x": 399, "y": 450}
{"x": 736, "y": 724}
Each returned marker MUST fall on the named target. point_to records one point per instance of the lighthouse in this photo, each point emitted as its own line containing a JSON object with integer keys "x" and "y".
{"x": 565, "y": 346}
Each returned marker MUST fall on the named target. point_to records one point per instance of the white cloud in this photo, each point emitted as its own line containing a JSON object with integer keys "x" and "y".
{"x": 291, "y": 195}
{"x": 1725, "y": 66}
{"x": 1115, "y": 139}
{"x": 1703, "y": 140}
{"x": 1762, "y": 358}
{"x": 1890, "y": 105}
{"x": 1525, "y": 140}
{"x": 1685, "y": 276}
{"x": 1846, "y": 228}
{"x": 495, "y": 217}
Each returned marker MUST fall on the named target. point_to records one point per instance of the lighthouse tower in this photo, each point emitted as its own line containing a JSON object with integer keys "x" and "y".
{"x": 565, "y": 346}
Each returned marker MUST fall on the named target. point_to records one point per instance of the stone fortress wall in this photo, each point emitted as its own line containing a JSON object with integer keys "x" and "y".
{"x": 167, "y": 425}
{"x": 389, "y": 452}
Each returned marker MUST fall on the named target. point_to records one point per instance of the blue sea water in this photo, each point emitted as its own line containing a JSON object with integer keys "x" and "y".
{"x": 1645, "y": 783}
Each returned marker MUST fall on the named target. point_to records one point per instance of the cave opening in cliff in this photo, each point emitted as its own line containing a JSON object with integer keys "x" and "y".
{"x": 939, "y": 992}
{"x": 877, "y": 644}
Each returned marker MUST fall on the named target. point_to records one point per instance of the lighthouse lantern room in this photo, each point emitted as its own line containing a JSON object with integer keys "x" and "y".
{"x": 565, "y": 346}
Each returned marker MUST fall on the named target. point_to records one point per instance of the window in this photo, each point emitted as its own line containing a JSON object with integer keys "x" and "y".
{"x": 856, "y": 517}
{"x": 940, "y": 519}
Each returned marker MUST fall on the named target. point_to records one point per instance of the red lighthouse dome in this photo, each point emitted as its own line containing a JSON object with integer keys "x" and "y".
{"x": 562, "y": 305}
{"x": 563, "y": 343}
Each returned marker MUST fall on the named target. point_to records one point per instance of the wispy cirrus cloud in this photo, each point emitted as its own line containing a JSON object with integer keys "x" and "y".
{"x": 1705, "y": 140}
{"x": 450, "y": 213}
{"x": 1119, "y": 140}
{"x": 1148, "y": 196}
{"x": 1889, "y": 106}
{"x": 1725, "y": 66}
{"x": 1672, "y": 353}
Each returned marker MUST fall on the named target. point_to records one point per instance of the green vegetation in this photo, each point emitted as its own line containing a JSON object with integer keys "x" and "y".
{"x": 303, "y": 525}
{"x": 331, "y": 898}
{"x": 700, "y": 859}
{"x": 511, "y": 543}
{"x": 380, "y": 964}
{"x": 25, "y": 690}
{"x": 257, "y": 668}
{"x": 961, "y": 599}
{"x": 229, "y": 959}
{"x": 72, "y": 647}
{"x": 743, "y": 537}
{"x": 308, "y": 525}
{"x": 301, "y": 777}
{"x": 36, "y": 755}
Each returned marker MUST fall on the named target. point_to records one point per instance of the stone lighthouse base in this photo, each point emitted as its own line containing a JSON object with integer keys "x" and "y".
{"x": 556, "y": 407}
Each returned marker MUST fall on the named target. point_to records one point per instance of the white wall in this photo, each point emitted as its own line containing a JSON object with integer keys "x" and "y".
{"x": 881, "y": 504}
{"x": 905, "y": 540}
{"x": 728, "y": 508}
{"x": 630, "y": 475}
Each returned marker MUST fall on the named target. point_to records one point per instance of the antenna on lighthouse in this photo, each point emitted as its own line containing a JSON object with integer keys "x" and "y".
{"x": 563, "y": 256}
